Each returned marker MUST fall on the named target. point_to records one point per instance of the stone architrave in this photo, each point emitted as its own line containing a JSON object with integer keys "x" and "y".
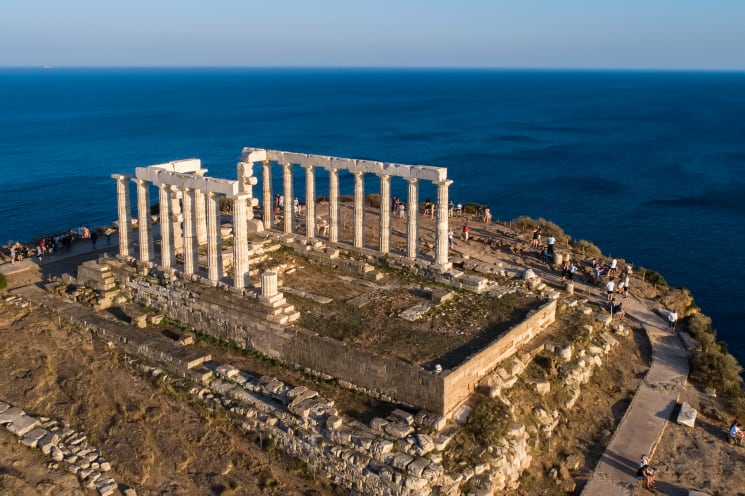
{"x": 385, "y": 213}
{"x": 412, "y": 207}
{"x": 166, "y": 226}
{"x": 214, "y": 239}
{"x": 240, "y": 241}
{"x": 287, "y": 186}
{"x": 200, "y": 223}
{"x": 334, "y": 205}
{"x": 266, "y": 189}
{"x": 124, "y": 209}
{"x": 441, "y": 231}
{"x": 144, "y": 223}
{"x": 191, "y": 261}
{"x": 310, "y": 202}
{"x": 359, "y": 209}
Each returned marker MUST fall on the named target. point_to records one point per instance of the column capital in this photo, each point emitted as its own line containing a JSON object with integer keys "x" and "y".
{"x": 139, "y": 181}
{"x": 412, "y": 180}
{"x": 121, "y": 177}
{"x": 446, "y": 182}
{"x": 309, "y": 168}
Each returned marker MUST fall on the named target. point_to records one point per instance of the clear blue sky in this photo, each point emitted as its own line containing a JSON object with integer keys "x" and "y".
{"x": 643, "y": 34}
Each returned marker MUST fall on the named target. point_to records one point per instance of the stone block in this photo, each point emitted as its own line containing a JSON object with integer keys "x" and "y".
{"x": 22, "y": 425}
{"x": 604, "y": 318}
{"x": 10, "y": 415}
{"x": 402, "y": 416}
{"x": 515, "y": 430}
{"x": 32, "y": 438}
{"x": 49, "y": 440}
{"x": 398, "y": 430}
{"x": 543, "y": 387}
{"x": 687, "y": 415}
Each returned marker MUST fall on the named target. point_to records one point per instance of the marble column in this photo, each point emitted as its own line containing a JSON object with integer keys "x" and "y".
{"x": 441, "y": 230}
{"x": 269, "y": 285}
{"x": 385, "y": 213}
{"x": 200, "y": 223}
{"x": 287, "y": 186}
{"x": 266, "y": 189}
{"x": 240, "y": 241}
{"x": 177, "y": 219}
{"x": 124, "y": 208}
{"x": 191, "y": 255}
{"x": 310, "y": 202}
{"x": 334, "y": 205}
{"x": 359, "y": 209}
{"x": 214, "y": 239}
{"x": 166, "y": 226}
{"x": 144, "y": 223}
{"x": 413, "y": 208}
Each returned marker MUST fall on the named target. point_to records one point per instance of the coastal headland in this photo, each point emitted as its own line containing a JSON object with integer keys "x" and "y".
{"x": 554, "y": 408}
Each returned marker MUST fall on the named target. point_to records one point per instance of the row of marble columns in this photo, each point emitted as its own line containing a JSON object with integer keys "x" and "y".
{"x": 199, "y": 213}
{"x": 441, "y": 228}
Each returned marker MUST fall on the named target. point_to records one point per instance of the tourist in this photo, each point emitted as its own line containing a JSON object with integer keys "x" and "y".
{"x": 487, "y": 215}
{"x": 646, "y": 473}
{"x": 570, "y": 271}
{"x": 13, "y": 254}
{"x": 296, "y": 206}
{"x": 451, "y": 207}
{"x": 613, "y": 267}
{"x": 672, "y": 318}
{"x": 619, "y": 287}
{"x": 281, "y": 202}
{"x": 550, "y": 241}
{"x": 536, "y": 242}
{"x": 596, "y": 273}
{"x": 609, "y": 287}
{"x": 459, "y": 209}
{"x": 94, "y": 238}
{"x": 450, "y": 238}
{"x": 108, "y": 232}
{"x": 625, "y": 285}
{"x": 544, "y": 255}
{"x": 736, "y": 433}
{"x": 465, "y": 232}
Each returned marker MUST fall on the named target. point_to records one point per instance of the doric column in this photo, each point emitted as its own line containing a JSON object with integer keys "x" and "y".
{"x": 214, "y": 239}
{"x": 200, "y": 223}
{"x": 177, "y": 219}
{"x": 287, "y": 186}
{"x": 441, "y": 230}
{"x": 144, "y": 223}
{"x": 269, "y": 286}
{"x": 359, "y": 209}
{"x": 385, "y": 213}
{"x": 240, "y": 241}
{"x": 191, "y": 255}
{"x": 310, "y": 202}
{"x": 334, "y": 205}
{"x": 413, "y": 207}
{"x": 166, "y": 227}
{"x": 124, "y": 209}
{"x": 266, "y": 189}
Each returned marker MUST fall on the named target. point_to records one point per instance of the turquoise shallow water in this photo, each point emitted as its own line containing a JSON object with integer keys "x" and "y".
{"x": 649, "y": 166}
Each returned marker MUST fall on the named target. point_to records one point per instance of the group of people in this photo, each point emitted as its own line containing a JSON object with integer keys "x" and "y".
{"x": 49, "y": 245}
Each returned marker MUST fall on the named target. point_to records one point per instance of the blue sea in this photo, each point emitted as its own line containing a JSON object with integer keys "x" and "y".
{"x": 647, "y": 165}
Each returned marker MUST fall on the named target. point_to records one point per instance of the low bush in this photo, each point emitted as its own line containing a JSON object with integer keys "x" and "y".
{"x": 652, "y": 277}
{"x": 3, "y": 281}
{"x": 586, "y": 248}
{"x": 527, "y": 224}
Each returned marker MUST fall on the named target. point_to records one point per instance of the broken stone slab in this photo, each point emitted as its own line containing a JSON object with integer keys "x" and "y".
{"x": 3, "y": 406}
{"x": 401, "y": 460}
{"x": 418, "y": 466}
{"x": 402, "y": 416}
{"x": 398, "y": 430}
{"x": 613, "y": 342}
{"x": 49, "y": 440}
{"x": 604, "y": 318}
{"x": 515, "y": 430}
{"x": 543, "y": 387}
{"x": 10, "y": 415}
{"x": 687, "y": 415}
{"x": 32, "y": 438}
{"x": 22, "y": 425}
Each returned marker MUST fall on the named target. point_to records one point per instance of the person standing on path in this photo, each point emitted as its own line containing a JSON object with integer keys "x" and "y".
{"x": 609, "y": 287}
{"x": 672, "y": 318}
{"x": 465, "y": 232}
{"x": 94, "y": 238}
{"x": 550, "y": 241}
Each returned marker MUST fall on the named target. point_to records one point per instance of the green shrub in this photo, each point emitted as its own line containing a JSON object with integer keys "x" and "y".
{"x": 652, "y": 277}
{"x": 3, "y": 281}
{"x": 488, "y": 422}
{"x": 587, "y": 248}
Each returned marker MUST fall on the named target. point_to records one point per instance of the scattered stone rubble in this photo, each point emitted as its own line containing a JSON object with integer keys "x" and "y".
{"x": 68, "y": 449}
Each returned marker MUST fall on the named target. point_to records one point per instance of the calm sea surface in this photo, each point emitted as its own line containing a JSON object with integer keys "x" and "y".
{"x": 648, "y": 166}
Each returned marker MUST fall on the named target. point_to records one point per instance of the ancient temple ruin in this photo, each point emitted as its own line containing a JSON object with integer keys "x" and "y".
{"x": 189, "y": 207}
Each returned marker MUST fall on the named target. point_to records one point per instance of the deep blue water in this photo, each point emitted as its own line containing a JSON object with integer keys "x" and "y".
{"x": 649, "y": 166}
